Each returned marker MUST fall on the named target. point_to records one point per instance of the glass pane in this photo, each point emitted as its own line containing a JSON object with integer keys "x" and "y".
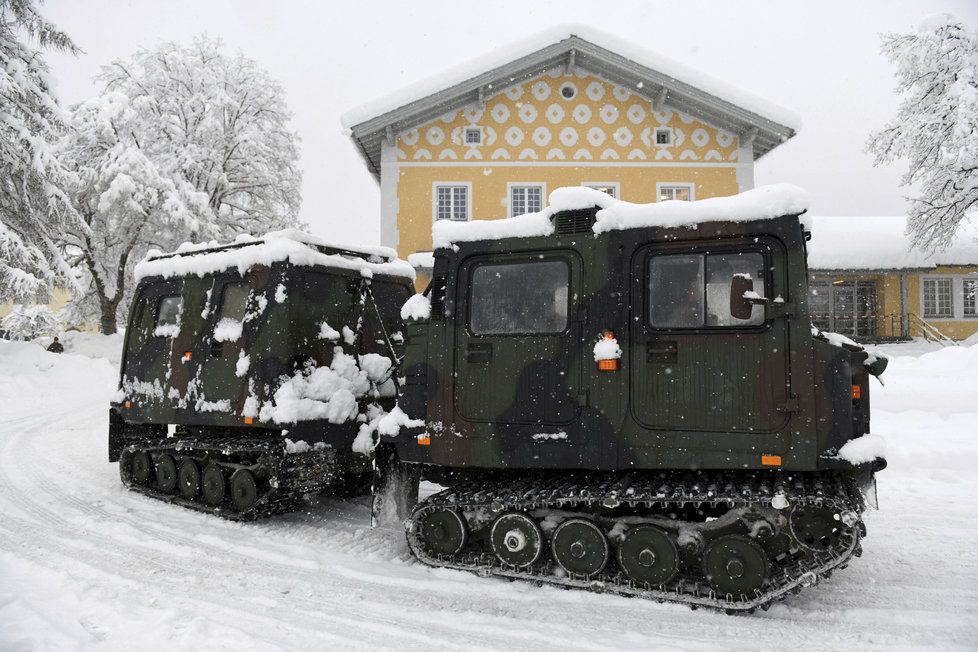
{"x": 665, "y": 194}
{"x": 682, "y": 194}
{"x": 459, "y": 202}
{"x": 528, "y": 297}
{"x": 234, "y": 303}
{"x": 534, "y": 200}
{"x": 819, "y": 302}
{"x": 970, "y": 290}
{"x": 720, "y": 270}
{"x": 676, "y": 291}
{"x": 169, "y": 311}
{"x": 519, "y": 201}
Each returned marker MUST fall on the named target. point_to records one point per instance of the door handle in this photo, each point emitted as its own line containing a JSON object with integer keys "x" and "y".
{"x": 657, "y": 351}
{"x": 480, "y": 352}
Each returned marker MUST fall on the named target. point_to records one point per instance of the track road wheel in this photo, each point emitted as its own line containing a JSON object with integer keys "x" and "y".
{"x": 213, "y": 484}
{"x": 815, "y": 528}
{"x": 444, "y": 532}
{"x": 735, "y": 565}
{"x": 516, "y": 539}
{"x": 166, "y": 474}
{"x": 141, "y": 467}
{"x": 189, "y": 479}
{"x": 244, "y": 490}
{"x": 648, "y": 555}
{"x": 580, "y": 547}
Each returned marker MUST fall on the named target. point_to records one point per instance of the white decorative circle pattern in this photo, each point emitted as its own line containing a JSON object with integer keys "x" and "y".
{"x": 514, "y": 92}
{"x": 528, "y": 113}
{"x": 595, "y": 136}
{"x": 568, "y": 136}
{"x": 473, "y": 114}
{"x": 724, "y": 138}
{"x": 609, "y": 113}
{"x": 500, "y": 113}
{"x": 623, "y": 136}
{"x": 410, "y": 137}
{"x": 514, "y": 136}
{"x": 435, "y": 135}
{"x": 555, "y": 113}
{"x": 636, "y": 114}
{"x": 582, "y": 113}
{"x": 621, "y": 93}
{"x": 541, "y": 136}
{"x": 700, "y": 138}
{"x": 541, "y": 90}
{"x": 595, "y": 91}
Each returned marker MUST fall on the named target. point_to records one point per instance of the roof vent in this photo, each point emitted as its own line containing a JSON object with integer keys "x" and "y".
{"x": 577, "y": 221}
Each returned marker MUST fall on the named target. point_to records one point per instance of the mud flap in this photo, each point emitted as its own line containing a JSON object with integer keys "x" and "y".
{"x": 866, "y": 483}
{"x": 395, "y": 488}
{"x": 117, "y": 440}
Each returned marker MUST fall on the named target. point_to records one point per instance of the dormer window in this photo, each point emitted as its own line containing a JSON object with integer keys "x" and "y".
{"x": 663, "y": 136}
{"x": 473, "y": 136}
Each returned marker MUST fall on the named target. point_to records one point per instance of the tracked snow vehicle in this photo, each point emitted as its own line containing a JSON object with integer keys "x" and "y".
{"x": 250, "y": 370}
{"x": 632, "y": 399}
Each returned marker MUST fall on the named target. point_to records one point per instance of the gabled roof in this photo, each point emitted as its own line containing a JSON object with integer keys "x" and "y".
{"x": 647, "y": 74}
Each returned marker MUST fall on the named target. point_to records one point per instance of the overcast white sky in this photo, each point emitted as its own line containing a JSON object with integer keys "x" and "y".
{"x": 820, "y": 60}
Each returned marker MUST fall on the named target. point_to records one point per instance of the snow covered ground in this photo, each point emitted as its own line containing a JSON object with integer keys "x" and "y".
{"x": 84, "y": 564}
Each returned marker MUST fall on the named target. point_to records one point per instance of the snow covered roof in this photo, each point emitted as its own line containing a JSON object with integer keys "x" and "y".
{"x": 643, "y": 71}
{"x": 880, "y": 243}
{"x": 760, "y": 203}
{"x": 422, "y": 259}
{"x": 290, "y": 245}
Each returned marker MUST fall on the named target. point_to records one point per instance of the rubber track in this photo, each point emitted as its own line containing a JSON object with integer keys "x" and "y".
{"x": 586, "y": 492}
{"x": 290, "y": 476}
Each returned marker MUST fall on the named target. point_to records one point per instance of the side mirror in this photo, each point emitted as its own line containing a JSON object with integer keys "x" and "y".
{"x": 742, "y": 296}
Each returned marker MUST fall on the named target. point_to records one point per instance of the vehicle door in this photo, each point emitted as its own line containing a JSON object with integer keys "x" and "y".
{"x": 694, "y": 366}
{"x": 517, "y": 335}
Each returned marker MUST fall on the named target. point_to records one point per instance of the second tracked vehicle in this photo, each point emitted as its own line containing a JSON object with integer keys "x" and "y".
{"x": 632, "y": 399}
{"x": 254, "y": 373}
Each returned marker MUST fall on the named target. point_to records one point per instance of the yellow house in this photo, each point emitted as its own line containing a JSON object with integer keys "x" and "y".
{"x": 869, "y": 282}
{"x": 570, "y": 106}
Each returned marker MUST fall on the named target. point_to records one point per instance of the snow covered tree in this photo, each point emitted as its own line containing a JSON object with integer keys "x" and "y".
{"x": 25, "y": 323}
{"x": 126, "y": 200}
{"x": 936, "y": 127}
{"x": 222, "y": 121}
{"x": 33, "y": 208}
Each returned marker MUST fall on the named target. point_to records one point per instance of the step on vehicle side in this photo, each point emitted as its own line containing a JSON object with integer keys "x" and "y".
{"x": 250, "y": 369}
{"x": 632, "y": 399}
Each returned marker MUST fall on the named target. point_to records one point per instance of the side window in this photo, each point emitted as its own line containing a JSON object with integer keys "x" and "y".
{"x": 168, "y": 314}
{"x": 519, "y": 298}
{"x": 693, "y": 290}
{"x": 234, "y": 301}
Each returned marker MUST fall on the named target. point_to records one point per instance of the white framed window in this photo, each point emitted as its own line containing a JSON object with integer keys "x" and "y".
{"x": 663, "y": 136}
{"x": 938, "y": 297}
{"x": 969, "y": 297}
{"x": 526, "y": 197}
{"x": 612, "y": 188}
{"x": 674, "y": 191}
{"x": 451, "y": 201}
{"x": 473, "y": 136}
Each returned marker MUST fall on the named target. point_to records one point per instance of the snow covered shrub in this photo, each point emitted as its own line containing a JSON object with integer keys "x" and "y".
{"x": 29, "y": 322}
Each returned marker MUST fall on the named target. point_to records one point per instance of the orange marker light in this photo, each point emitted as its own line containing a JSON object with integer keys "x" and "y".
{"x": 857, "y": 392}
{"x": 424, "y": 440}
{"x": 187, "y": 355}
{"x": 771, "y": 460}
{"x": 249, "y": 420}
{"x": 608, "y": 365}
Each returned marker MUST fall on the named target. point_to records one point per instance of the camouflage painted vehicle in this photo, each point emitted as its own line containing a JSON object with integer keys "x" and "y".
{"x": 633, "y": 400}
{"x": 250, "y": 369}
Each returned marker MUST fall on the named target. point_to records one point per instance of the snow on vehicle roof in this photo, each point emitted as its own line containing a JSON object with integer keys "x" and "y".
{"x": 760, "y": 203}
{"x": 881, "y": 242}
{"x": 503, "y": 55}
{"x": 292, "y": 245}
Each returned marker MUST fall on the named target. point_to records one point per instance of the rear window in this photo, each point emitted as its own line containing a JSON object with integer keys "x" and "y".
{"x": 519, "y": 298}
{"x": 234, "y": 303}
{"x": 169, "y": 311}
{"x": 693, "y": 290}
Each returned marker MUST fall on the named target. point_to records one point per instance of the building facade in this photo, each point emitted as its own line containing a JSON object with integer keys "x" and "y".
{"x": 568, "y": 107}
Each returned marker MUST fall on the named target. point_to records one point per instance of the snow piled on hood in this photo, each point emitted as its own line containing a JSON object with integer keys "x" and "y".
{"x": 760, "y": 203}
{"x": 289, "y": 245}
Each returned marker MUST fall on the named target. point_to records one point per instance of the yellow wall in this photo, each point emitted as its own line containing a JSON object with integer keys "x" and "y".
{"x": 59, "y": 299}
{"x": 531, "y": 133}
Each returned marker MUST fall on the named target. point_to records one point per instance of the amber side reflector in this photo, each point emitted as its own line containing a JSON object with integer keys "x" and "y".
{"x": 608, "y": 365}
{"x": 771, "y": 460}
{"x": 249, "y": 420}
{"x": 857, "y": 392}
{"x": 424, "y": 440}
{"x": 128, "y": 404}
{"x": 187, "y": 355}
